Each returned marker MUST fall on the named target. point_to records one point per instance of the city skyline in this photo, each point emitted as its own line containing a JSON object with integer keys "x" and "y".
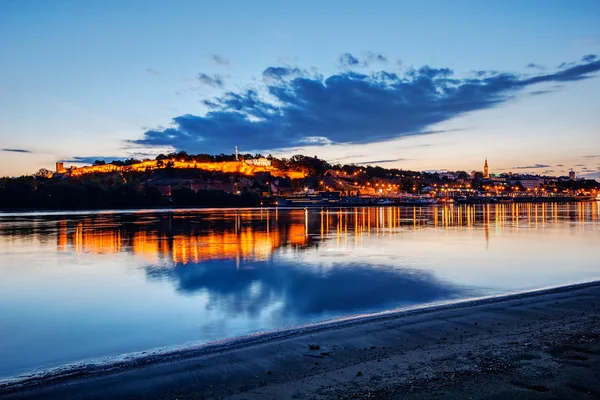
{"x": 394, "y": 85}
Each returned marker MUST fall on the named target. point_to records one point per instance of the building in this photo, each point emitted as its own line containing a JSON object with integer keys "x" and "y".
{"x": 486, "y": 172}
{"x": 60, "y": 167}
{"x": 248, "y": 167}
{"x": 572, "y": 175}
{"x": 531, "y": 182}
{"x": 259, "y": 162}
{"x": 499, "y": 178}
{"x": 448, "y": 175}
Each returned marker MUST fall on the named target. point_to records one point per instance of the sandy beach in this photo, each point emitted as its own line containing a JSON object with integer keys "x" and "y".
{"x": 534, "y": 346}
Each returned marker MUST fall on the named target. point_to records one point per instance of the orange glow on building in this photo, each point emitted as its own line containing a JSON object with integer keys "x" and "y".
{"x": 229, "y": 167}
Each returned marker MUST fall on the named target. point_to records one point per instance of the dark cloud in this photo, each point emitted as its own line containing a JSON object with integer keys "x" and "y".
{"x": 579, "y": 165}
{"x": 215, "y": 81}
{"x": 17, "y": 150}
{"x": 375, "y": 162}
{"x": 589, "y": 58}
{"x": 347, "y": 107}
{"x": 560, "y": 165}
{"x": 533, "y": 166}
{"x": 220, "y": 60}
{"x": 592, "y": 156}
{"x": 152, "y": 71}
{"x": 348, "y": 60}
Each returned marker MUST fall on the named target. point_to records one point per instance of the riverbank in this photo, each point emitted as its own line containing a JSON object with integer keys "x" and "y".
{"x": 537, "y": 345}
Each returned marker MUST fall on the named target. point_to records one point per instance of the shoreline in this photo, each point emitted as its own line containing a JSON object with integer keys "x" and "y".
{"x": 174, "y": 357}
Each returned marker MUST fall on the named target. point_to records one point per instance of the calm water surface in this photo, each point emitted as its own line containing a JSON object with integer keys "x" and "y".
{"x": 87, "y": 285}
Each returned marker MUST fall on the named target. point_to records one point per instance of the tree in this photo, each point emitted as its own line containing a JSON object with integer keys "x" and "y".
{"x": 182, "y": 156}
{"x": 43, "y": 173}
{"x": 462, "y": 175}
{"x": 183, "y": 196}
{"x": 131, "y": 161}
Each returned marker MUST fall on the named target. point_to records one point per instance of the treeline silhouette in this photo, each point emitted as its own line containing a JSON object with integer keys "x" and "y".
{"x": 108, "y": 192}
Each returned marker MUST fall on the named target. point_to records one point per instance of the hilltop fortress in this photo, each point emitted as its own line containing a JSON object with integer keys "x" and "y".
{"x": 242, "y": 167}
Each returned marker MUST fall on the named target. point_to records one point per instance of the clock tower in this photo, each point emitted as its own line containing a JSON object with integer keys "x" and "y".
{"x": 486, "y": 172}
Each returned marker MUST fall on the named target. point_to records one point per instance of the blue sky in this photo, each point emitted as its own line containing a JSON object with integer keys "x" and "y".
{"x": 428, "y": 85}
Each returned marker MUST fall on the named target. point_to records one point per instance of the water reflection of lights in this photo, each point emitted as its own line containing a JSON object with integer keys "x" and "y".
{"x": 255, "y": 235}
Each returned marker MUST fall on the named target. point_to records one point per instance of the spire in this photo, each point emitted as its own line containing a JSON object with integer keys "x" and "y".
{"x": 486, "y": 172}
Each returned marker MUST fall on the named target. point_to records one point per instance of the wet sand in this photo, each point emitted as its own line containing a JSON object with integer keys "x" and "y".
{"x": 543, "y": 345}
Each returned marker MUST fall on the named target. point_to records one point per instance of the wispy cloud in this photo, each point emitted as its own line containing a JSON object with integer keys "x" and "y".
{"x": 534, "y": 166}
{"x": 540, "y": 92}
{"x": 536, "y": 66}
{"x": 220, "y": 60}
{"x": 215, "y": 81}
{"x": 152, "y": 71}
{"x": 369, "y": 58}
{"x": 338, "y": 159}
{"x": 346, "y": 107}
{"x": 17, "y": 150}
{"x": 375, "y": 162}
{"x": 348, "y": 60}
{"x": 88, "y": 160}
{"x": 592, "y": 175}
{"x": 281, "y": 72}
{"x": 376, "y": 58}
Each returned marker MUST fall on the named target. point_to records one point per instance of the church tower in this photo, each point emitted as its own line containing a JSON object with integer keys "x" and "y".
{"x": 486, "y": 172}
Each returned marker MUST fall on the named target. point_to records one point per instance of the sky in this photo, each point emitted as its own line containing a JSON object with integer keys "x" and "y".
{"x": 427, "y": 85}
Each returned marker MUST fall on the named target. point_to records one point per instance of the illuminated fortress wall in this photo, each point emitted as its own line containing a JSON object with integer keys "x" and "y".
{"x": 230, "y": 167}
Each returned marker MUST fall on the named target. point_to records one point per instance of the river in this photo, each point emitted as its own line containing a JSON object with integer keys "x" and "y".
{"x": 89, "y": 285}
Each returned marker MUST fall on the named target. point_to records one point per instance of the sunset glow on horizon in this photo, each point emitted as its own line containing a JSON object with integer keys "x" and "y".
{"x": 429, "y": 86}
